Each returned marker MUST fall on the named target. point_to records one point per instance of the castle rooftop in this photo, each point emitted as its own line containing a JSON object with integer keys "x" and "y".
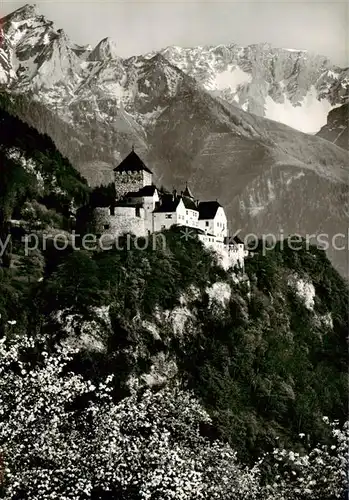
{"x": 187, "y": 192}
{"x": 208, "y": 209}
{"x": 189, "y": 203}
{"x": 144, "y": 191}
{"x": 168, "y": 205}
{"x": 132, "y": 163}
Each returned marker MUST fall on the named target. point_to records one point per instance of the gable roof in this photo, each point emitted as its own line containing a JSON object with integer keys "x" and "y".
{"x": 144, "y": 191}
{"x": 188, "y": 203}
{"x": 168, "y": 204}
{"x": 132, "y": 163}
{"x": 208, "y": 209}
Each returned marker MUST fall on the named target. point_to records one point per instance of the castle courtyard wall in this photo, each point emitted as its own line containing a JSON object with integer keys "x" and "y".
{"x": 119, "y": 221}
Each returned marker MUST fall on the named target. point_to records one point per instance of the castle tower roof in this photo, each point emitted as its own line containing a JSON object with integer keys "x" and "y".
{"x": 187, "y": 192}
{"x": 132, "y": 163}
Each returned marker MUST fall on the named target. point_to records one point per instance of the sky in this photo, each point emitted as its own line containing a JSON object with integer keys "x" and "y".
{"x": 321, "y": 27}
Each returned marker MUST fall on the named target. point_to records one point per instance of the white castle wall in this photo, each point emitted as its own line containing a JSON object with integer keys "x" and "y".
{"x": 182, "y": 217}
{"x": 191, "y": 218}
{"x": 216, "y": 226}
{"x": 163, "y": 220}
{"x": 233, "y": 256}
{"x": 147, "y": 178}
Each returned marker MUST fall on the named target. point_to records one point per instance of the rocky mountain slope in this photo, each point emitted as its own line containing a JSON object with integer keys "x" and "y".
{"x": 95, "y": 105}
{"x": 289, "y": 86}
{"x": 336, "y": 129}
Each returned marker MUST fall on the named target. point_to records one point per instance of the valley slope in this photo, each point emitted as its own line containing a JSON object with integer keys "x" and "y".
{"x": 336, "y": 129}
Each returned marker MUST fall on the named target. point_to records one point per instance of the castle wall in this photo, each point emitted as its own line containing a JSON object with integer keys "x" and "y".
{"x": 191, "y": 218}
{"x": 149, "y": 205}
{"x": 211, "y": 242}
{"x": 147, "y": 178}
{"x": 131, "y": 181}
{"x": 127, "y": 181}
{"x": 230, "y": 256}
{"x": 236, "y": 255}
{"x": 163, "y": 220}
{"x": 216, "y": 226}
{"x": 119, "y": 221}
{"x": 148, "y": 202}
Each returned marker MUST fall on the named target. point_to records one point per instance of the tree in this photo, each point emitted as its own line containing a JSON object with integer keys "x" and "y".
{"x": 146, "y": 446}
{"x": 62, "y": 436}
{"x": 76, "y": 283}
{"x": 32, "y": 265}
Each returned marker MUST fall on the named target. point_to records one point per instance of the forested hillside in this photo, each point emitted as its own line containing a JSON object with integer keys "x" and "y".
{"x": 32, "y": 169}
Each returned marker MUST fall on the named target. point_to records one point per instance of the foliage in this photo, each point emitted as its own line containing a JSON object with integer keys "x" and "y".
{"x": 263, "y": 365}
{"x": 321, "y": 473}
{"x": 147, "y": 446}
{"x": 62, "y": 436}
{"x": 266, "y": 366}
{"x": 103, "y": 196}
{"x": 135, "y": 281}
{"x": 75, "y": 283}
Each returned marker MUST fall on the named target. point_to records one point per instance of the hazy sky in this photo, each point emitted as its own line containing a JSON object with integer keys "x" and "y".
{"x": 138, "y": 27}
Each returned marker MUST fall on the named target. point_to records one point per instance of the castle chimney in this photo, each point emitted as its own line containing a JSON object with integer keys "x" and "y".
{"x": 174, "y": 194}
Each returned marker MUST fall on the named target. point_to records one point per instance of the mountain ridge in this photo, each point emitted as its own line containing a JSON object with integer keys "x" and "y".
{"x": 95, "y": 111}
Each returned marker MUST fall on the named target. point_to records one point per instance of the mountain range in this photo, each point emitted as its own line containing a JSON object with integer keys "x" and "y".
{"x": 217, "y": 117}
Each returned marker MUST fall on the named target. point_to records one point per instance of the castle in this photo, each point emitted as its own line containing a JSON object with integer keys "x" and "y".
{"x": 141, "y": 209}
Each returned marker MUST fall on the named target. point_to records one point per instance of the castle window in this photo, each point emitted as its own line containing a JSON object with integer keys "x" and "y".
{"x": 206, "y": 223}
{"x": 112, "y": 211}
{"x": 168, "y": 216}
{"x": 138, "y": 212}
{"x": 106, "y": 226}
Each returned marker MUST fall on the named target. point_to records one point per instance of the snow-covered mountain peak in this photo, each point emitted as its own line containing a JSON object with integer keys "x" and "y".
{"x": 292, "y": 86}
